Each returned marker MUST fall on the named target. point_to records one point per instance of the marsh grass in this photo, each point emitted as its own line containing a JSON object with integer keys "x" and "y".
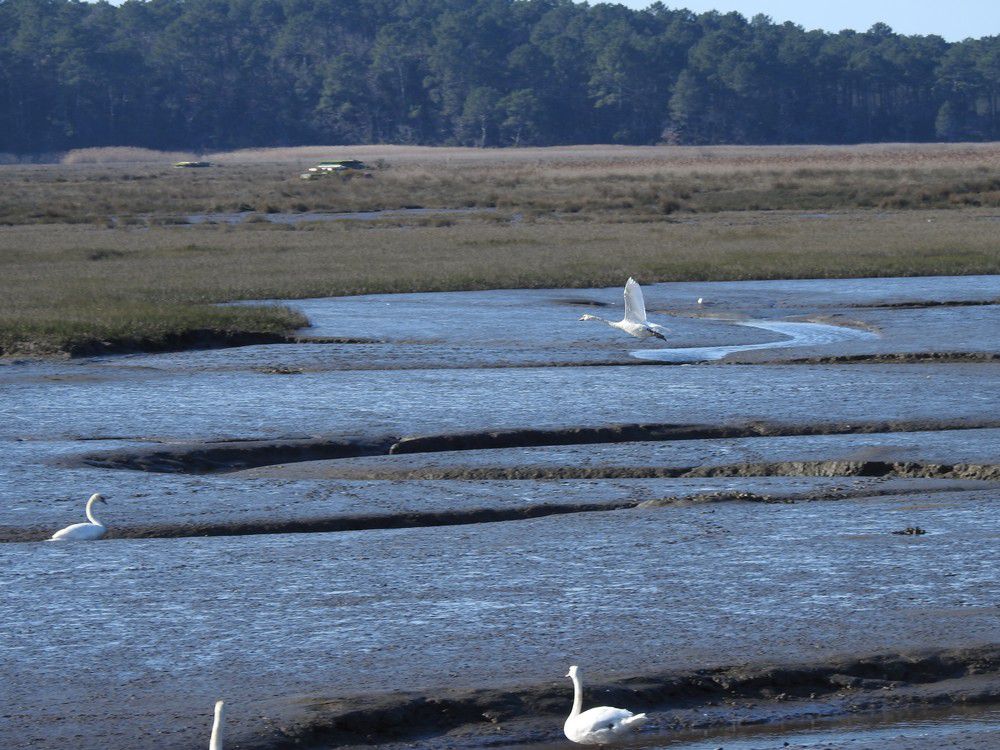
{"x": 78, "y": 326}
{"x": 100, "y": 254}
{"x": 633, "y": 183}
{"x": 71, "y": 288}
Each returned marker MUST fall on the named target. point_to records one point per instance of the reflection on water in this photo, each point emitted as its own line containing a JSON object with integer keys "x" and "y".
{"x": 978, "y": 728}
{"x": 798, "y": 334}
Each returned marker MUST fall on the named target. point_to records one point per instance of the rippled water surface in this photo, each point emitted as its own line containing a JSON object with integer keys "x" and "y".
{"x": 127, "y": 642}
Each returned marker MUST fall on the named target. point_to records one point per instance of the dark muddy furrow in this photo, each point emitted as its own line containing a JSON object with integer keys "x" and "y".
{"x": 627, "y": 433}
{"x": 833, "y": 468}
{"x": 345, "y": 522}
{"x": 186, "y": 504}
{"x": 216, "y": 456}
{"x": 891, "y": 358}
{"x": 921, "y": 304}
{"x": 428, "y": 519}
{"x": 874, "y": 682}
{"x": 966, "y": 453}
{"x": 201, "y": 339}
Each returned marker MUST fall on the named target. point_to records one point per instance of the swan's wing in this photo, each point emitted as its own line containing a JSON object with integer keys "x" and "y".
{"x": 84, "y": 531}
{"x": 635, "y": 306}
{"x": 601, "y": 718}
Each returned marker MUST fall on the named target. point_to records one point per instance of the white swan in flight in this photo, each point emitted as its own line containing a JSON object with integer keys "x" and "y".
{"x": 84, "y": 531}
{"x": 634, "y": 323}
{"x": 597, "y": 726}
{"x": 216, "y": 742}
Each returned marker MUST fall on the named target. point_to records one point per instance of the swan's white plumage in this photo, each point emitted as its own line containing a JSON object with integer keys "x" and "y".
{"x": 634, "y": 323}
{"x": 602, "y": 725}
{"x": 83, "y": 531}
{"x": 635, "y": 305}
{"x": 217, "y": 726}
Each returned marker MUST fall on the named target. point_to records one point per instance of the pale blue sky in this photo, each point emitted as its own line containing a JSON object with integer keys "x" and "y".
{"x": 954, "y": 19}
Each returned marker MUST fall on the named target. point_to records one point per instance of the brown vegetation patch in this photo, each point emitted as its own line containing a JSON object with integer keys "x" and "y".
{"x": 105, "y": 257}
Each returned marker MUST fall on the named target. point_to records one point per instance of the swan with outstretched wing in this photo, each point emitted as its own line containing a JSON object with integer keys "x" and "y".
{"x": 634, "y": 323}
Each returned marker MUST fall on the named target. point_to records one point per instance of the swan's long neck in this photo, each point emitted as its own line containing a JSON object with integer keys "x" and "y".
{"x": 603, "y": 320}
{"x": 90, "y": 511}
{"x": 577, "y": 696}
{"x": 216, "y": 742}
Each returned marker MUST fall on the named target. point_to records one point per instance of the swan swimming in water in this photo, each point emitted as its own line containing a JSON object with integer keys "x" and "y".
{"x": 216, "y": 742}
{"x": 602, "y": 725}
{"x": 83, "y": 531}
{"x": 634, "y": 323}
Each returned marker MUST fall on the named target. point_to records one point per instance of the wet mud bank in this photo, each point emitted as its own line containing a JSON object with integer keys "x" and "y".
{"x": 198, "y": 339}
{"x": 676, "y": 700}
{"x": 893, "y": 358}
{"x": 203, "y": 458}
{"x": 630, "y": 433}
{"x": 923, "y": 304}
{"x": 347, "y": 522}
{"x": 459, "y": 517}
{"x": 832, "y": 468}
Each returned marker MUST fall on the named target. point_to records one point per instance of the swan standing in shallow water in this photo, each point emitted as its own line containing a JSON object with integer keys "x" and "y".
{"x": 216, "y": 742}
{"x": 597, "y": 726}
{"x": 83, "y": 531}
{"x": 634, "y": 323}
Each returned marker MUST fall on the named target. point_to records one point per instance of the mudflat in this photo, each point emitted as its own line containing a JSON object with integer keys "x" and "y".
{"x": 409, "y": 538}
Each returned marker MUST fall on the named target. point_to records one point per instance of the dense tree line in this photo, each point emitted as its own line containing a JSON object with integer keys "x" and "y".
{"x": 212, "y": 74}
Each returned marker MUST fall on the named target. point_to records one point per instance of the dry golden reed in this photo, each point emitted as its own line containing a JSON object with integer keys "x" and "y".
{"x": 133, "y": 255}
{"x": 62, "y": 287}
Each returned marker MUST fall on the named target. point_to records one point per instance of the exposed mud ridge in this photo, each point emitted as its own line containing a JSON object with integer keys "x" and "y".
{"x": 724, "y": 496}
{"x": 409, "y": 716}
{"x": 895, "y": 358}
{"x": 631, "y": 433}
{"x": 425, "y": 519}
{"x": 353, "y": 522}
{"x": 200, "y": 338}
{"x": 840, "y": 468}
{"x": 204, "y": 458}
{"x": 209, "y": 457}
{"x": 916, "y": 305}
{"x": 834, "y": 468}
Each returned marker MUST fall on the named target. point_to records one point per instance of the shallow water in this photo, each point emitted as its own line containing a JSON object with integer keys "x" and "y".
{"x": 200, "y": 618}
{"x": 796, "y": 335}
{"x": 968, "y": 729}
{"x": 130, "y": 402}
{"x": 971, "y": 729}
{"x": 128, "y": 642}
